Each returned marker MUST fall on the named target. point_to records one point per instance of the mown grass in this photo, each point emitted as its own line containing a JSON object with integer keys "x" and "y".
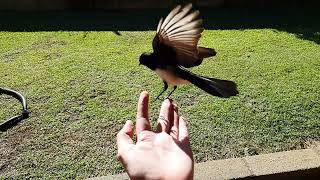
{"x": 82, "y": 86}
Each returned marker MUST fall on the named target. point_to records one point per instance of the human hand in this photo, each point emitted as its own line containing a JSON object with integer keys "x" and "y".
{"x": 165, "y": 154}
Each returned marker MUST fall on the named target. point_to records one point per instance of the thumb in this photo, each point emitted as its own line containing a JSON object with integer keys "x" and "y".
{"x": 124, "y": 136}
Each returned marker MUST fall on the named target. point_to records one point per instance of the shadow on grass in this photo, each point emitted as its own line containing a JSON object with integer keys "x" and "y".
{"x": 301, "y": 22}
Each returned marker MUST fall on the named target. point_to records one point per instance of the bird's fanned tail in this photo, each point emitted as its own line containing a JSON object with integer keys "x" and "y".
{"x": 215, "y": 87}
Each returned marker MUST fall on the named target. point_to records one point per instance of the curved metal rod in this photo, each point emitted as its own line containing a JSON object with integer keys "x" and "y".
{"x": 16, "y": 119}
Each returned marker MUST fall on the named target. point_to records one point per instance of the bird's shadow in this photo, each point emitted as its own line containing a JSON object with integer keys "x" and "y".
{"x": 301, "y": 22}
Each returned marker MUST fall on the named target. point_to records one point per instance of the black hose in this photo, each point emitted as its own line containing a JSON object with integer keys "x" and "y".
{"x": 16, "y": 119}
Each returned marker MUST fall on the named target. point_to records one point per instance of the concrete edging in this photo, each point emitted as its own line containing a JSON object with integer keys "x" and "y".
{"x": 296, "y": 164}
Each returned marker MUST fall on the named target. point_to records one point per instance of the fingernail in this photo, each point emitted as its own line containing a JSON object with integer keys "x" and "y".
{"x": 145, "y": 93}
{"x": 167, "y": 102}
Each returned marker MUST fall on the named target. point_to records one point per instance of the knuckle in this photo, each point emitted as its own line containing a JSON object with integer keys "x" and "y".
{"x": 145, "y": 136}
{"x": 174, "y": 129}
{"x": 162, "y": 119}
{"x": 141, "y": 119}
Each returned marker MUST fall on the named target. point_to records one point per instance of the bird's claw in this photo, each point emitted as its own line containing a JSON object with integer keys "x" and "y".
{"x": 168, "y": 97}
{"x": 157, "y": 98}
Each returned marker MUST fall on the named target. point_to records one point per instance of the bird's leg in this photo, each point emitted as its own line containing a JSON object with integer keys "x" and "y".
{"x": 174, "y": 88}
{"x": 165, "y": 87}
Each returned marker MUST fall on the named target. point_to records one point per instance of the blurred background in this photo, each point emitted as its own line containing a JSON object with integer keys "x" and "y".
{"x": 41, "y": 5}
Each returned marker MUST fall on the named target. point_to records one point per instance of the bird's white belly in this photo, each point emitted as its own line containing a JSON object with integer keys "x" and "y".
{"x": 170, "y": 78}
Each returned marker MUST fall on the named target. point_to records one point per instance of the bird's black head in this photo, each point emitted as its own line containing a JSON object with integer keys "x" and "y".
{"x": 146, "y": 59}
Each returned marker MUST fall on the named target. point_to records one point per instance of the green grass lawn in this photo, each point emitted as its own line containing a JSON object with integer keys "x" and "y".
{"x": 82, "y": 86}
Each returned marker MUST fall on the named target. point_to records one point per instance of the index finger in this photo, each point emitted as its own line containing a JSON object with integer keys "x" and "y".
{"x": 142, "y": 113}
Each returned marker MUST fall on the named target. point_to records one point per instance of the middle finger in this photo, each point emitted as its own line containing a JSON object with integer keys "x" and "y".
{"x": 165, "y": 116}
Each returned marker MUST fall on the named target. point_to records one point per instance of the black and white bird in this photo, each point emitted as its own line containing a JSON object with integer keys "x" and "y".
{"x": 175, "y": 48}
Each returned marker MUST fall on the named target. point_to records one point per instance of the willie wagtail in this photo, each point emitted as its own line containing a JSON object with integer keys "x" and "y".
{"x": 175, "y": 48}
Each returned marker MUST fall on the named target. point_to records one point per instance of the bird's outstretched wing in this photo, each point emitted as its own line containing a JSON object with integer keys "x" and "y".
{"x": 181, "y": 31}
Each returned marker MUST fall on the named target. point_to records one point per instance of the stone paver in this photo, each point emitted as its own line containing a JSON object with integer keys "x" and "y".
{"x": 316, "y": 148}
{"x": 222, "y": 169}
{"x": 306, "y": 162}
{"x": 122, "y": 176}
{"x": 283, "y": 162}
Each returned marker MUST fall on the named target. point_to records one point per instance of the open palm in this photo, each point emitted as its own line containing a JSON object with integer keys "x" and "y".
{"x": 165, "y": 154}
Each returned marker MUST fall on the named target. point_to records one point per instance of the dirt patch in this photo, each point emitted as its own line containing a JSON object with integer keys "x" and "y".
{"x": 9, "y": 106}
{"x": 11, "y": 145}
{"x": 41, "y": 44}
{"x": 189, "y": 99}
{"x": 96, "y": 93}
{"x": 72, "y": 139}
{"x": 71, "y": 111}
{"x": 39, "y": 99}
{"x": 52, "y": 56}
{"x": 47, "y": 43}
{"x": 9, "y": 56}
